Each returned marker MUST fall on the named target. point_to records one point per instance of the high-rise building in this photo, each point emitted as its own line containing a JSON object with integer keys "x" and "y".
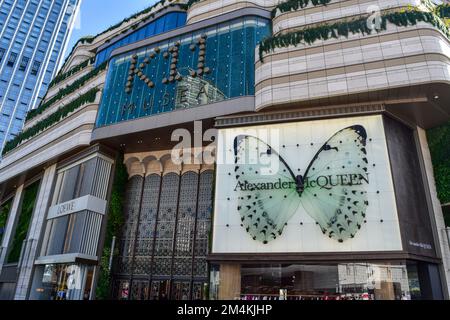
{"x": 33, "y": 37}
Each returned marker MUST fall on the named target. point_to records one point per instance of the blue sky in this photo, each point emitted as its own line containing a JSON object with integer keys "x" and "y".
{"x": 97, "y": 15}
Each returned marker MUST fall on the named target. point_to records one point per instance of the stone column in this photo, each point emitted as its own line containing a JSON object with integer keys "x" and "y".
{"x": 31, "y": 252}
{"x": 12, "y": 217}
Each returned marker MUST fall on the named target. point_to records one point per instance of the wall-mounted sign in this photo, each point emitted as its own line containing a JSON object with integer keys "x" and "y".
{"x": 317, "y": 186}
{"x": 88, "y": 202}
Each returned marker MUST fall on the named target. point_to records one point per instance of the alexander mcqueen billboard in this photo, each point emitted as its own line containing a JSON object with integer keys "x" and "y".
{"x": 316, "y": 186}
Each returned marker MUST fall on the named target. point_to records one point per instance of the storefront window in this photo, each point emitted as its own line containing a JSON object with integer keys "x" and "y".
{"x": 62, "y": 282}
{"x": 347, "y": 281}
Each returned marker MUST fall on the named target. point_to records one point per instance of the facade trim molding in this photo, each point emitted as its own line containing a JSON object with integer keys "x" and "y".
{"x": 65, "y": 258}
{"x": 307, "y": 114}
{"x": 167, "y": 119}
{"x": 316, "y": 257}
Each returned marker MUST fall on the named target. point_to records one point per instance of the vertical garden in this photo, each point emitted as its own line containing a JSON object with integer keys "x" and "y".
{"x": 4, "y": 212}
{"x": 25, "y": 214}
{"x": 113, "y": 228}
{"x": 439, "y": 143}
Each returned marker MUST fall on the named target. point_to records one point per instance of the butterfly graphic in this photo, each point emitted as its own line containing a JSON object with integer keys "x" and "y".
{"x": 266, "y": 202}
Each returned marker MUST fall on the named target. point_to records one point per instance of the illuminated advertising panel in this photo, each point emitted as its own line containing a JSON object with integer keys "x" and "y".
{"x": 316, "y": 186}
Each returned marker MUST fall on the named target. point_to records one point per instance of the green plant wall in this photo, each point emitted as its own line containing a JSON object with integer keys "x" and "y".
{"x": 4, "y": 213}
{"x": 113, "y": 227}
{"x": 26, "y": 212}
{"x": 439, "y": 144}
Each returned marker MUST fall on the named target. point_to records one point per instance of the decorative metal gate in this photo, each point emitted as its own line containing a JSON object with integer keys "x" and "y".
{"x": 165, "y": 238}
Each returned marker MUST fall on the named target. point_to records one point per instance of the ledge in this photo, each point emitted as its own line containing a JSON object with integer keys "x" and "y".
{"x": 236, "y": 105}
{"x": 66, "y": 258}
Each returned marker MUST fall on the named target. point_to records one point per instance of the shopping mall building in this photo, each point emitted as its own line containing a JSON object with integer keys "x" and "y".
{"x": 236, "y": 149}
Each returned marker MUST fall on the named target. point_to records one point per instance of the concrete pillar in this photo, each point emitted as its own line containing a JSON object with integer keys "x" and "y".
{"x": 10, "y": 225}
{"x": 31, "y": 252}
{"x": 439, "y": 226}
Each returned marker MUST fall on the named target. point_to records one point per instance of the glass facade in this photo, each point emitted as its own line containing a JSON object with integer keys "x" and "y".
{"x": 165, "y": 23}
{"x": 203, "y": 67}
{"x": 33, "y": 36}
{"x": 165, "y": 238}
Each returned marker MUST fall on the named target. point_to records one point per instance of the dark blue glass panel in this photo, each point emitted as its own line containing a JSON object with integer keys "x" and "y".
{"x": 141, "y": 34}
{"x": 159, "y": 28}
{"x": 150, "y": 30}
{"x": 229, "y": 56}
{"x": 171, "y": 22}
{"x": 165, "y": 23}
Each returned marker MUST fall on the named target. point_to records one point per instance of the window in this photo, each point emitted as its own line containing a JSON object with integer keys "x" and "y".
{"x": 24, "y": 63}
{"x": 2, "y": 53}
{"x": 12, "y": 59}
{"x": 35, "y": 68}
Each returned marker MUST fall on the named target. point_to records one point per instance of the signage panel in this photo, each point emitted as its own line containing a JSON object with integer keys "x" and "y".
{"x": 315, "y": 186}
{"x": 88, "y": 202}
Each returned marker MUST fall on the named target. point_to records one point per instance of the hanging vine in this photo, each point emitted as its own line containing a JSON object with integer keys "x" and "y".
{"x": 409, "y": 17}
{"x": 293, "y": 5}
{"x": 65, "y": 91}
{"x": 55, "y": 117}
{"x": 63, "y": 76}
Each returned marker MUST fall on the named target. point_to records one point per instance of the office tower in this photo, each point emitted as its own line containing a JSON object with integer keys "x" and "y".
{"x": 33, "y": 38}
